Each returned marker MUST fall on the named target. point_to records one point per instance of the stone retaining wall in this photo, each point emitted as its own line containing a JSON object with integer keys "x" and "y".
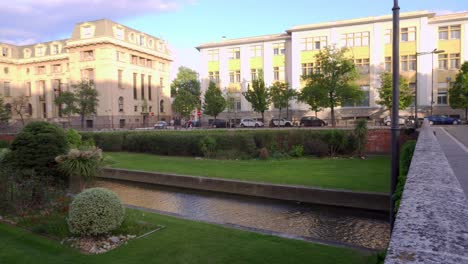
{"x": 432, "y": 222}
{"x": 364, "y": 200}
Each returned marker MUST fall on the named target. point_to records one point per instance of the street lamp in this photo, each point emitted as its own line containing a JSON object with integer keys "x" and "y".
{"x": 435, "y": 51}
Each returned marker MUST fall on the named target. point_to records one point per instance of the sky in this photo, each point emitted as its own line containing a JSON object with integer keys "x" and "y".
{"x": 185, "y": 24}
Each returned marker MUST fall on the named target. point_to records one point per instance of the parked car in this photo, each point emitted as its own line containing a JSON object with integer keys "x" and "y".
{"x": 312, "y": 121}
{"x": 247, "y": 122}
{"x": 280, "y": 122}
{"x": 388, "y": 121}
{"x": 219, "y": 123}
{"x": 160, "y": 125}
{"x": 443, "y": 120}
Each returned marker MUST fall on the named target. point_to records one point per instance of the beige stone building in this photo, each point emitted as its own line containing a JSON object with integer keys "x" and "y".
{"x": 130, "y": 70}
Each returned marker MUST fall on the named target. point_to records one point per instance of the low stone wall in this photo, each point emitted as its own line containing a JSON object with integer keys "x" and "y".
{"x": 364, "y": 200}
{"x": 432, "y": 222}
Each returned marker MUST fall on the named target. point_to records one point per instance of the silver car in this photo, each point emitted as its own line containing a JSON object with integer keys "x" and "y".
{"x": 160, "y": 125}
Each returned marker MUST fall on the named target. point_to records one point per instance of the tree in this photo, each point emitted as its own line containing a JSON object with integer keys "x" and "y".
{"x": 185, "y": 102}
{"x": 281, "y": 95}
{"x": 4, "y": 114}
{"x": 82, "y": 101}
{"x": 258, "y": 96}
{"x": 186, "y": 79}
{"x": 20, "y": 106}
{"x": 335, "y": 79}
{"x": 385, "y": 92}
{"x": 214, "y": 101}
{"x": 458, "y": 94}
{"x": 315, "y": 98}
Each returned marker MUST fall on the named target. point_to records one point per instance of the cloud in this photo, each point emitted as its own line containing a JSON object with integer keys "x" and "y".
{"x": 44, "y": 20}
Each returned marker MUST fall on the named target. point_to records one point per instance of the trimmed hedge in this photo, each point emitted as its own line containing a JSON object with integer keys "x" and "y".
{"x": 237, "y": 143}
{"x": 406, "y": 155}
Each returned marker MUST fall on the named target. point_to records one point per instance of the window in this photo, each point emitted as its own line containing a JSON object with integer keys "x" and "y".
{"x": 4, "y": 52}
{"x": 355, "y": 39}
{"x": 142, "y": 61}
{"x": 278, "y": 49}
{"x": 234, "y": 76}
{"x": 256, "y": 51}
{"x": 30, "y": 109}
{"x": 134, "y": 59}
{"x": 255, "y": 74}
{"x": 362, "y": 65}
{"x": 449, "y": 31}
{"x": 162, "y": 66}
{"x": 87, "y": 74}
{"x": 142, "y": 87}
{"x": 135, "y": 108}
{"x": 214, "y": 76}
{"x": 313, "y": 43}
{"x": 121, "y": 104}
{"x": 6, "y": 70}
{"x": 442, "y": 93}
{"x": 408, "y": 63}
{"x": 122, "y": 123}
{"x": 87, "y": 32}
{"x": 55, "y": 49}
{"x": 365, "y": 100}
{"x": 388, "y": 64}
{"x": 120, "y": 78}
{"x": 40, "y": 70}
{"x": 238, "y": 104}
{"x": 42, "y": 89}
{"x": 57, "y": 68}
{"x": 149, "y": 63}
{"x": 142, "y": 40}
{"x": 87, "y": 55}
{"x": 234, "y": 53}
{"x": 150, "y": 95}
{"x": 39, "y": 51}
{"x": 455, "y": 61}
{"x": 443, "y": 61}
{"x": 278, "y": 73}
{"x": 161, "y": 106}
{"x": 119, "y": 33}
{"x": 213, "y": 55}
{"x": 8, "y": 108}
{"x": 388, "y": 36}
{"x": 307, "y": 69}
{"x": 408, "y": 34}
{"x": 28, "y": 89}
{"x": 6, "y": 89}
{"x": 135, "y": 94}
{"x": 56, "y": 87}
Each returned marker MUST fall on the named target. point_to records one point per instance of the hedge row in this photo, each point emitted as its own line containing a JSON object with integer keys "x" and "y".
{"x": 229, "y": 144}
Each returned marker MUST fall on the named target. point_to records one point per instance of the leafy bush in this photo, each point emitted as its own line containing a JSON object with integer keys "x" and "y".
{"x": 24, "y": 191}
{"x": 336, "y": 141}
{"x": 36, "y": 147}
{"x": 208, "y": 146}
{"x": 264, "y": 154}
{"x": 297, "y": 151}
{"x": 406, "y": 155}
{"x": 360, "y": 133}
{"x": 95, "y": 212}
{"x": 108, "y": 141}
{"x": 73, "y": 138}
{"x": 81, "y": 165}
{"x": 4, "y": 144}
{"x": 3, "y": 153}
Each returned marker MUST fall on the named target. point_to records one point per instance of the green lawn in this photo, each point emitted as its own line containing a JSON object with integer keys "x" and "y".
{"x": 182, "y": 241}
{"x": 371, "y": 174}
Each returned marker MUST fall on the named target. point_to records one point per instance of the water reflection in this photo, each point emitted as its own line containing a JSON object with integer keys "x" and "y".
{"x": 358, "y": 228}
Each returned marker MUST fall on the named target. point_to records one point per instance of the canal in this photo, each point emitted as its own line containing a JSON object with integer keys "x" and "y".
{"x": 342, "y": 226}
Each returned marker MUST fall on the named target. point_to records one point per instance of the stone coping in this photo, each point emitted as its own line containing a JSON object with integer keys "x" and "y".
{"x": 432, "y": 222}
{"x": 344, "y": 198}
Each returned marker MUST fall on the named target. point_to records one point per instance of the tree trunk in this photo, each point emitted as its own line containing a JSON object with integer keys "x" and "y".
{"x": 332, "y": 112}
{"x": 279, "y": 118}
{"x": 82, "y": 121}
{"x": 315, "y": 113}
{"x": 263, "y": 117}
{"x": 22, "y": 119}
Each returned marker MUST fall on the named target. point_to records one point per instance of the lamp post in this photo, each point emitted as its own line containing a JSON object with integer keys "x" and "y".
{"x": 435, "y": 51}
{"x": 395, "y": 107}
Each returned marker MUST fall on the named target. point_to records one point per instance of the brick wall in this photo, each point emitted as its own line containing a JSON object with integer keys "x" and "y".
{"x": 7, "y": 137}
{"x": 378, "y": 140}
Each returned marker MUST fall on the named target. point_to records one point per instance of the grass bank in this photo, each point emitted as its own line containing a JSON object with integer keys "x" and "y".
{"x": 371, "y": 174}
{"x": 182, "y": 241}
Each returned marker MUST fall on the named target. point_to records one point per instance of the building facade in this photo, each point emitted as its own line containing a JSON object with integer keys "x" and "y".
{"x": 130, "y": 70}
{"x": 232, "y": 64}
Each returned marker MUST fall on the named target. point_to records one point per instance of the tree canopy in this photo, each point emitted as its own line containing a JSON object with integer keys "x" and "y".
{"x": 258, "y": 96}
{"x": 458, "y": 94}
{"x": 280, "y": 95}
{"x": 185, "y": 103}
{"x": 335, "y": 78}
{"x": 214, "y": 101}
{"x": 386, "y": 95}
{"x": 186, "y": 79}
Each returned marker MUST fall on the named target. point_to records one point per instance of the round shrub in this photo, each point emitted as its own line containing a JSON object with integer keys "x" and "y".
{"x": 264, "y": 154}
{"x": 36, "y": 147}
{"x": 95, "y": 211}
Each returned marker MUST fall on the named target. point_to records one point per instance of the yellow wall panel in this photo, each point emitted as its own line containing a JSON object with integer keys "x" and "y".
{"x": 450, "y": 46}
{"x": 442, "y": 75}
{"x": 308, "y": 56}
{"x": 213, "y": 66}
{"x": 234, "y": 88}
{"x": 408, "y": 48}
{"x": 358, "y": 52}
{"x": 234, "y": 65}
{"x": 256, "y": 63}
{"x": 278, "y": 61}
{"x": 388, "y": 50}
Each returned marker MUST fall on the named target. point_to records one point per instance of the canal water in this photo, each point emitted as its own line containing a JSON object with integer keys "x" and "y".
{"x": 334, "y": 225}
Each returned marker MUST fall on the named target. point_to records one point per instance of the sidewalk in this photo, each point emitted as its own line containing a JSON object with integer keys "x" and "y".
{"x": 454, "y": 143}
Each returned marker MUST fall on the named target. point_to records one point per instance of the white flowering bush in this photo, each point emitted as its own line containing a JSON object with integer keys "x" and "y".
{"x": 94, "y": 212}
